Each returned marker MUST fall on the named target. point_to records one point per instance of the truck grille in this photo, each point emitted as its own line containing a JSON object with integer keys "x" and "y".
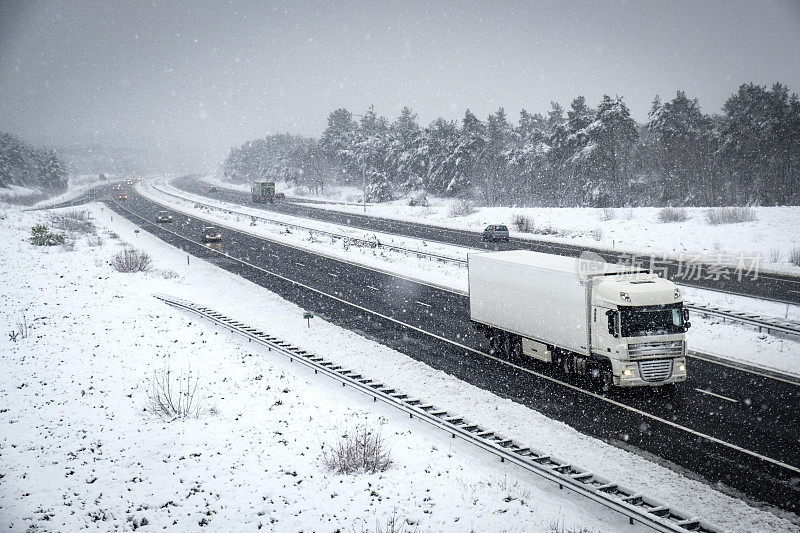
{"x": 656, "y": 370}
{"x": 656, "y": 349}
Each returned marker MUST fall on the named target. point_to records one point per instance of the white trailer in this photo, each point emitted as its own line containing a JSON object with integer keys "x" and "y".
{"x": 621, "y": 324}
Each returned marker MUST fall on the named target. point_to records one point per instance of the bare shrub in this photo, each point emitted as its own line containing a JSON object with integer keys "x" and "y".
{"x": 673, "y": 214}
{"x": 173, "y": 395}
{"x": 775, "y": 255}
{"x": 523, "y": 223}
{"x": 95, "y": 241}
{"x": 730, "y": 215}
{"x": 20, "y": 332}
{"x": 462, "y": 208}
{"x": 130, "y": 260}
{"x": 794, "y": 256}
{"x": 68, "y": 246}
{"x": 608, "y": 214}
{"x": 557, "y": 526}
{"x": 361, "y": 449}
{"x": 393, "y": 524}
{"x": 548, "y": 230}
{"x": 597, "y": 233}
{"x": 76, "y": 222}
{"x": 168, "y": 274}
{"x": 42, "y": 236}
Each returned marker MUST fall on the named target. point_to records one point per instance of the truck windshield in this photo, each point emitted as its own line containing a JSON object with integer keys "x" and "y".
{"x": 651, "y": 320}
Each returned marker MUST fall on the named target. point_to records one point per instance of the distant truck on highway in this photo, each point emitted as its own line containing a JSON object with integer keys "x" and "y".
{"x": 263, "y": 191}
{"x": 622, "y": 325}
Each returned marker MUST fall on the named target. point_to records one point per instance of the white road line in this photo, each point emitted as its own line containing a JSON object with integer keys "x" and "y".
{"x": 299, "y": 264}
{"x": 373, "y": 288}
{"x": 422, "y": 303}
{"x": 501, "y": 361}
{"x": 716, "y": 395}
{"x": 333, "y": 275}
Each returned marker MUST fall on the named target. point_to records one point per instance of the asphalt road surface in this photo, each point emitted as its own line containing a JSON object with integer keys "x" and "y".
{"x": 777, "y": 287}
{"x": 728, "y": 425}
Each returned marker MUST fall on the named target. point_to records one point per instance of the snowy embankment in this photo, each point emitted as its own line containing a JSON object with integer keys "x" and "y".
{"x": 629, "y": 230}
{"x": 79, "y": 450}
{"x": 708, "y": 335}
{"x": 76, "y": 185}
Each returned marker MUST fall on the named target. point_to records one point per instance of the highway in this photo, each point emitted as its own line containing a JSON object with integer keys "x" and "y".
{"x": 772, "y": 286}
{"x": 726, "y": 425}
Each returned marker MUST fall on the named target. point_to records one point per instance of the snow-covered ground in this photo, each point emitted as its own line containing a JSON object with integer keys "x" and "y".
{"x": 709, "y": 335}
{"x": 79, "y": 450}
{"x": 629, "y": 230}
{"x": 76, "y": 186}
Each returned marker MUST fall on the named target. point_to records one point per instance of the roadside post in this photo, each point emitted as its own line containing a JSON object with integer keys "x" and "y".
{"x": 308, "y": 316}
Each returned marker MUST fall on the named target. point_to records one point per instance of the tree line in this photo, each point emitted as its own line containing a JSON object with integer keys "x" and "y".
{"x": 26, "y": 166}
{"x": 584, "y": 156}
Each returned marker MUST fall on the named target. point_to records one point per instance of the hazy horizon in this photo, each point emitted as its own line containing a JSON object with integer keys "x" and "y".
{"x": 197, "y": 78}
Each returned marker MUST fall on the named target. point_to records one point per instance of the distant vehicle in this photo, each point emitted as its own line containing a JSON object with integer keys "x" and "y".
{"x": 118, "y": 187}
{"x": 214, "y": 189}
{"x": 263, "y": 191}
{"x": 163, "y": 216}
{"x": 495, "y": 233}
{"x": 620, "y": 324}
{"x": 211, "y": 234}
{"x": 103, "y": 177}
{"x": 280, "y": 196}
{"x": 122, "y": 197}
{"x": 129, "y": 181}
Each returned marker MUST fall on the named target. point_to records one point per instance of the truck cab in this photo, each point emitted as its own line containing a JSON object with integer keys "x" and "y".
{"x": 638, "y": 323}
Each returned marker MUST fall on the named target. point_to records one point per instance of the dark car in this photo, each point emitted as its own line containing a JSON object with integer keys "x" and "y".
{"x": 163, "y": 216}
{"x": 495, "y": 232}
{"x": 280, "y": 196}
{"x": 122, "y": 197}
{"x": 214, "y": 189}
{"x": 211, "y": 234}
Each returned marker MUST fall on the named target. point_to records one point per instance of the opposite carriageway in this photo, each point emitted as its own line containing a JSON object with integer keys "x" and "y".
{"x": 772, "y": 286}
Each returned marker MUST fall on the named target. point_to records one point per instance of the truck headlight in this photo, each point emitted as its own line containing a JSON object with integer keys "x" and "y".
{"x": 681, "y": 367}
{"x": 625, "y": 296}
{"x": 677, "y": 293}
{"x": 627, "y": 373}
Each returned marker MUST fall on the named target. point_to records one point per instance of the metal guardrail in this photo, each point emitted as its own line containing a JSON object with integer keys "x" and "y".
{"x": 636, "y": 506}
{"x": 761, "y": 322}
{"x": 344, "y": 238}
{"x": 770, "y": 324}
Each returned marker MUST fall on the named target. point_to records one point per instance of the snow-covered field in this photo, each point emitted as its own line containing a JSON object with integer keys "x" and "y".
{"x": 631, "y": 230}
{"x": 79, "y": 450}
{"x": 708, "y": 335}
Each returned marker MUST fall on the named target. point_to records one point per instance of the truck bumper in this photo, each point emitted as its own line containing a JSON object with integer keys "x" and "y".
{"x": 649, "y": 372}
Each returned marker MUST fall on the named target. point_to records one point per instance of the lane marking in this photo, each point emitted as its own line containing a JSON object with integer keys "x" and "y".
{"x": 497, "y": 359}
{"x": 299, "y": 263}
{"x": 422, "y": 303}
{"x": 333, "y": 275}
{"x": 716, "y": 395}
{"x": 373, "y": 288}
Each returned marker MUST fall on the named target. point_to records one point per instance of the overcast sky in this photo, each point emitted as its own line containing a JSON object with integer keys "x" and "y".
{"x": 208, "y": 75}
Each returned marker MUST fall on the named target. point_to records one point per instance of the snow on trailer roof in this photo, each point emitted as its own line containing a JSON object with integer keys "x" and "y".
{"x": 591, "y": 263}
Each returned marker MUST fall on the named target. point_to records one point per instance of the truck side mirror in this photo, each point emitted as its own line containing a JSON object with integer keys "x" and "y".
{"x": 612, "y": 322}
{"x": 685, "y": 315}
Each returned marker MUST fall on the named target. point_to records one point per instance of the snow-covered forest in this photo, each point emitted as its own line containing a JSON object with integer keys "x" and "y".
{"x": 23, "y": 165}
{"x": 587, "y": 156}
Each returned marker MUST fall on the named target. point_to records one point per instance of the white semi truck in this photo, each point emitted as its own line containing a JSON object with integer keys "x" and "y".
{"x": 620, "y": 324}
